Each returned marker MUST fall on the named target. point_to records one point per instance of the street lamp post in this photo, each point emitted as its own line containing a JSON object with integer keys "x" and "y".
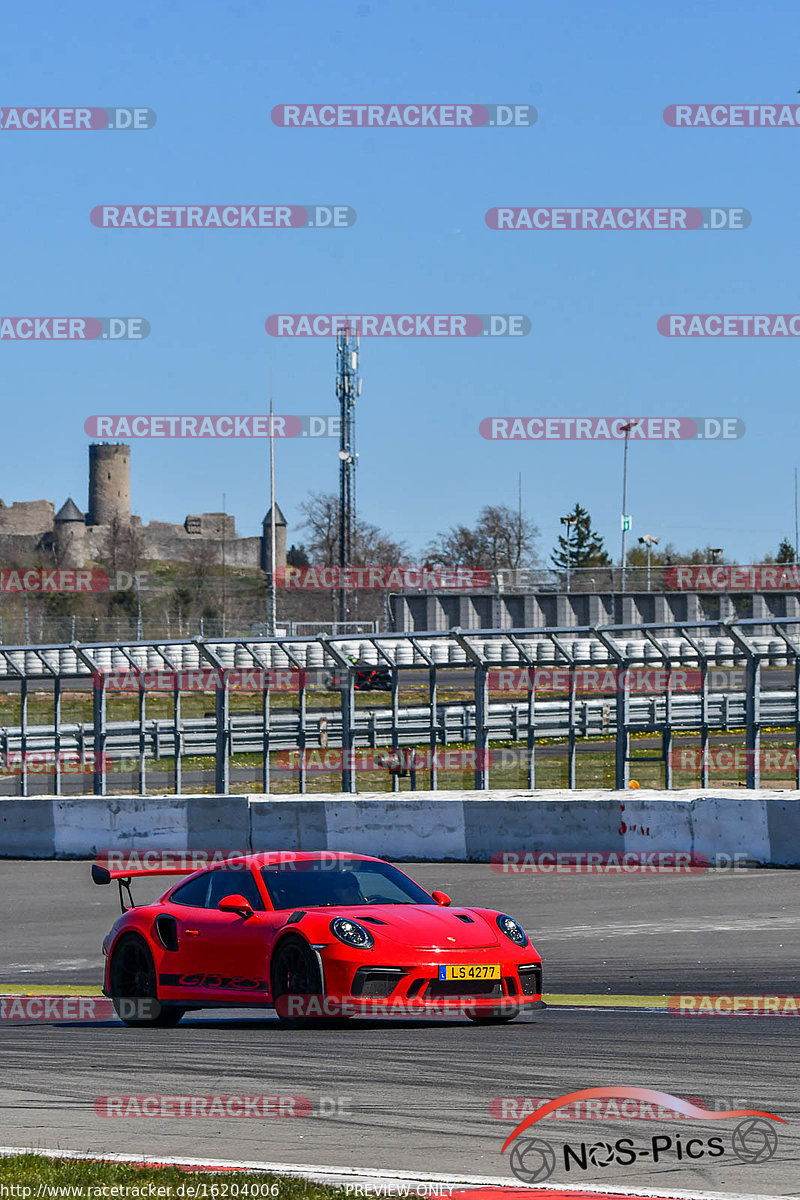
{"x": 715, "y": 552}
{"x": 625, "y": 518}
{"x": 569, "y": 522}
{"x": 649, "y": 541}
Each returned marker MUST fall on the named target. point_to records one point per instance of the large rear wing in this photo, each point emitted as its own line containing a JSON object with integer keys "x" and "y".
{"x": 123, "y": 875}
{"x": 104, "y": 875}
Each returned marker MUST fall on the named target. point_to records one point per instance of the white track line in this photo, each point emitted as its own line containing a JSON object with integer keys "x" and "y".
{"x": 374, "y": 1175}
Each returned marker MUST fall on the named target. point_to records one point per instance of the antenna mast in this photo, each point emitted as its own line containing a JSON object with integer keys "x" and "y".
{"x": 348, "y": 388}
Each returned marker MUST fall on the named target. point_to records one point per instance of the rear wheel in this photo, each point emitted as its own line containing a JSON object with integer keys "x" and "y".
{"x": 133, "y": 986}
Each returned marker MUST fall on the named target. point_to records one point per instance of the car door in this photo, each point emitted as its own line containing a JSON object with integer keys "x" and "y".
{"x": 179, "y": 930}
{"x": 231, "y": 950}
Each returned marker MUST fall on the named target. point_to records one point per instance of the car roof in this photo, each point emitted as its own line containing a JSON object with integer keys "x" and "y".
{"x": 267, "y": 858}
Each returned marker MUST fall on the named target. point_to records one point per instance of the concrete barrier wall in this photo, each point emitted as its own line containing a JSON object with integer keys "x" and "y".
{"x": 763, "y": 827}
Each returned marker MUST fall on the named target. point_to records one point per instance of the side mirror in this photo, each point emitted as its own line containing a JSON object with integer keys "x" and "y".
{"x": 442, "y": 898}
{"x": 236, "y": 904}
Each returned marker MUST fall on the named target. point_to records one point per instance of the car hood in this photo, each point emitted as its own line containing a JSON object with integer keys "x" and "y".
{"x": 423, "y": 927}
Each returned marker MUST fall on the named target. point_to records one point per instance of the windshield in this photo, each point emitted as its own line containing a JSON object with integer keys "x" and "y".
{"x": 313, "y": 883}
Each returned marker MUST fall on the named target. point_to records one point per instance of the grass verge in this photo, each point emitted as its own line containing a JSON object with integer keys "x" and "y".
{"x": 34, "y": 1175}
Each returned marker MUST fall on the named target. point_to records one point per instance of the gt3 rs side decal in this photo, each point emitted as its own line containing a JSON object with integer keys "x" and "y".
{"x": 217, "y": 982}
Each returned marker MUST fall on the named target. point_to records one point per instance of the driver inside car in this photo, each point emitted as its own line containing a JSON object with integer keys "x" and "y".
{"x": 344, "y": 889}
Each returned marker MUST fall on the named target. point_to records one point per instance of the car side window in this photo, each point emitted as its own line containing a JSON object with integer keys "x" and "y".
{"x": 234, "y": 883}
{"x": 193, "y": 893}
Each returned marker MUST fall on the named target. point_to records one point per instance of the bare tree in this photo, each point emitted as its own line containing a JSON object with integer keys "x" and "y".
{"x": 202, "y": 557}
{"x": 123, "y": 546}
{"x": 502, "y": 539}
{"x": 371, "y": 546}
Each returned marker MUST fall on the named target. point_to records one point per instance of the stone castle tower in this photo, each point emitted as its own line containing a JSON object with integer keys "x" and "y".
{"x": 70, "y": 535}
{"x": 109, "y": 484}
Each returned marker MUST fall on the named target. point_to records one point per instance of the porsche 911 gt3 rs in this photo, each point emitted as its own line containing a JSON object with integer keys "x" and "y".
{"x": 312, "y": 935}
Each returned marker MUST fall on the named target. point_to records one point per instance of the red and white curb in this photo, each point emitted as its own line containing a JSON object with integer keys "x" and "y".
{"x": 379, "y": 1182}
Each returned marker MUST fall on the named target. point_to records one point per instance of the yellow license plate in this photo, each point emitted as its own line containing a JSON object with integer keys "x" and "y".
{"x": 466, "y": 971}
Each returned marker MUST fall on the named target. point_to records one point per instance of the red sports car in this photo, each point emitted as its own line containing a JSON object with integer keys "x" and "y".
{"x": 314, "y": 935}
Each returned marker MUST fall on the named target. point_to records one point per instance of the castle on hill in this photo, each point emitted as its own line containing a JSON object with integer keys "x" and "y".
{"x": 74, "y": 538}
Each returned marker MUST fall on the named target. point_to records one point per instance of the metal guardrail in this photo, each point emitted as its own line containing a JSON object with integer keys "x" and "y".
{"x": 480, "y": 722}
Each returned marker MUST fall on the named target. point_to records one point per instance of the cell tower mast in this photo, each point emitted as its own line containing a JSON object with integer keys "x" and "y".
{"x": 348, "y": 388}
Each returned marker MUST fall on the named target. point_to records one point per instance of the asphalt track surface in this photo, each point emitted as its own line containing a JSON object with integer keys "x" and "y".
{"x": 415, "y": 1096}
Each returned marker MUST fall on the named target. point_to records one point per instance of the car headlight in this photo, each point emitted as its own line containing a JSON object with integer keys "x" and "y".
{"x": 512, "y": 929}
{"x": 352, "y": 934}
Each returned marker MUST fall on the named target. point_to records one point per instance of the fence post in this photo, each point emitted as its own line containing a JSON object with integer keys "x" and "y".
{"x": 222, "y": 775}
{"x": 348, "y": 730}
{"x": 57, "y": 735}
{"x": 177, "y": 736}
{"x": 348, "y": 711}
{"x": 571, "y": 736}
{"x": 99, "y": 733}
{"x": 481, "y": 710}
{"x": 432, "y": 722}
{"x": 622, "y": 773}
{"x": 752, "y": 706}
{"x": 23, "y": 731}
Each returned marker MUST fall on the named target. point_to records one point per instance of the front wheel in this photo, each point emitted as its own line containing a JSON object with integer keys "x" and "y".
{"x": 494, "y": 1016}
{"x": 133, "y": 986}
{"x": 295, "y": 972}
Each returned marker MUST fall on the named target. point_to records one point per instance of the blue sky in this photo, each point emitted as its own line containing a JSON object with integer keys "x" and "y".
{"x": 599, "y": 76}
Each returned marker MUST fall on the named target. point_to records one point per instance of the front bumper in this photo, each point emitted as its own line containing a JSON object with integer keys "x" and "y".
{"x": 373, "y": 987}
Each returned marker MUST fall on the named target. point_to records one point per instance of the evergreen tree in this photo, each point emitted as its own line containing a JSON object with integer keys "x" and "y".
{"x": 785, "y": 552}
{"x": 583, "y": 547}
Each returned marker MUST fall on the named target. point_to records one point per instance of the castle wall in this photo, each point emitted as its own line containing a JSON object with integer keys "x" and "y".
{"x": 27, "y": 516}
{"x": 19, "y": 549}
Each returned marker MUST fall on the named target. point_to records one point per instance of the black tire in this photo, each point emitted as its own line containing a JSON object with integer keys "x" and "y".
{"x": 132, "y": 976}
{"x": 295, "y": 972}
{"x": 496, "y": 1016}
